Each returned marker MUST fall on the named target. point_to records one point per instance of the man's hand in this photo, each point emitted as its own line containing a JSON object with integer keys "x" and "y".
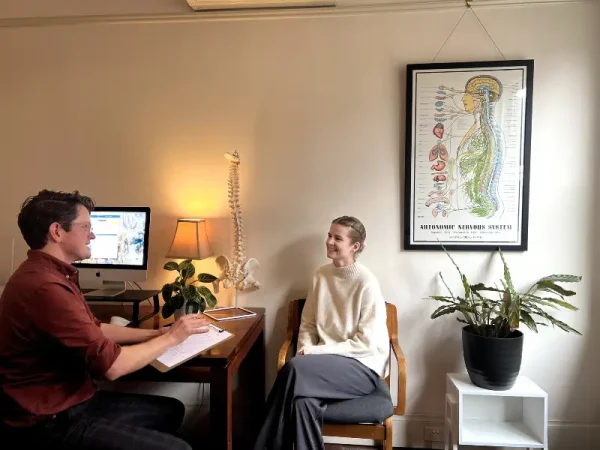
{"x": 185, "y": 327}
{"x": 135, "y": 357}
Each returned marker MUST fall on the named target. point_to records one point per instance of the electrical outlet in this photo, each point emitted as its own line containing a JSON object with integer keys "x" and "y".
{"x": 433, "y": 434}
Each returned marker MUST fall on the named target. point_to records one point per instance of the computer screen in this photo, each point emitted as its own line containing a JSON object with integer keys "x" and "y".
{"x": 121, "y": 238}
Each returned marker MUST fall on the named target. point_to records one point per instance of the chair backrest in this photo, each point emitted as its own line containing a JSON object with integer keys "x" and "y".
{"x": 295, "y": 317}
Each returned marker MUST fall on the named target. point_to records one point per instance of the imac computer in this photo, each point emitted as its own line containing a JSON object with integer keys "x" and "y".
{"x": 119, "y": 251}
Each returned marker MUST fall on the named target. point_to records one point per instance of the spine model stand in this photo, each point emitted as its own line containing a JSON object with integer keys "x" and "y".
{"x": 237, "y": 272}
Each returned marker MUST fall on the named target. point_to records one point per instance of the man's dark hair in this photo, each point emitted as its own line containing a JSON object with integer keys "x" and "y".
{"x": 40, "y": 211}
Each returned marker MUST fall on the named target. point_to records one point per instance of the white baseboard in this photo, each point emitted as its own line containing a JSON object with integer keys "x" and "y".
{"x": 409, "y": 432}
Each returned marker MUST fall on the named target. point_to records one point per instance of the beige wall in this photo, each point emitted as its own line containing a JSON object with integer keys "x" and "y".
{"x": 141, "y": 114}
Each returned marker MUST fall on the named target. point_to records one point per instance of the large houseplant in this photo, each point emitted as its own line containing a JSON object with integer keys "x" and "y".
{"x": 182, "y": 297}
{"x": 492, "y": 343}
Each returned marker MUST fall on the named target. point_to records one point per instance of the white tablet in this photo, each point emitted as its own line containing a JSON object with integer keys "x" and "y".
{"x": 229, "y": 313}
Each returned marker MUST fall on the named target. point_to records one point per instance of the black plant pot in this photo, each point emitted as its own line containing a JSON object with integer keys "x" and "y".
{"x": 492, "y": 363}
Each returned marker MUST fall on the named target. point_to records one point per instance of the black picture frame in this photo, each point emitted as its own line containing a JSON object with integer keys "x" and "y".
{"x": 467, "y": 155}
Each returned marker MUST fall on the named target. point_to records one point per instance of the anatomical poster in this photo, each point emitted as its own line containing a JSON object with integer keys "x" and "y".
{"x": 468, "y": 135}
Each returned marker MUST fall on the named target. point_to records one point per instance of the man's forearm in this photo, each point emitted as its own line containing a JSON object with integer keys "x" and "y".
{"x": 124, "y": 335}
{"x": 134, "y": 357}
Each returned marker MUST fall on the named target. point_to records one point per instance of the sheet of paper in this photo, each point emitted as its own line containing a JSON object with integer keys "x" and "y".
{"x": 192, "y": 346}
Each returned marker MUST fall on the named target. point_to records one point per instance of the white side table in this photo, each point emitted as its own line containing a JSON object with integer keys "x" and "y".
{"x": 481, "y": 417}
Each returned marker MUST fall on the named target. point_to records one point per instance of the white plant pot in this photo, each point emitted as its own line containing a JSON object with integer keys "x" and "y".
{"x": 179, "y": 313}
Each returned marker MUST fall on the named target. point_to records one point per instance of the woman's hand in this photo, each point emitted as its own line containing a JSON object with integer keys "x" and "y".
{"x": 300, "y": 353}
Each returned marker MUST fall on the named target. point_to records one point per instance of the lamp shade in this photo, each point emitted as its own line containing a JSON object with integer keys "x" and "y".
{"x": 190, "y": 240}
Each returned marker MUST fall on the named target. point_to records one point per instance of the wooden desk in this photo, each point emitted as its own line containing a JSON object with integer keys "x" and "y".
{"x": 242, "y": 354}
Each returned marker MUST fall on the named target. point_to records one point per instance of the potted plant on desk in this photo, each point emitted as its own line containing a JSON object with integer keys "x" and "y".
{"x": 492, "y": 343}
{"x": 182, "y": 297}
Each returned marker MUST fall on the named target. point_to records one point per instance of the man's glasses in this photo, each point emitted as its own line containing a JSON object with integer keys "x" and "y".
{"x": 87, "y": 227}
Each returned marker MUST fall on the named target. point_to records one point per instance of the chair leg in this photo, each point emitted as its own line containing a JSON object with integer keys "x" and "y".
{"x": 387, "y": 443}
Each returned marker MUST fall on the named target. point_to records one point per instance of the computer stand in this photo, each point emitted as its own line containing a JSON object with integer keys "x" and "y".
{"x": 108, "y": 289}
{"x": 133, "y": 296}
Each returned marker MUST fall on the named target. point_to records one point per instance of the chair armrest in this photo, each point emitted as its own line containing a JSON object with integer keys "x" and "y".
{"x": 284, "y": 350}
{"x": 400, "y": 408}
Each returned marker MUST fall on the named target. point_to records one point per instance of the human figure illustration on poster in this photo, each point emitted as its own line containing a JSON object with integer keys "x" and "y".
{"x": 467, "y": 179}
{"x": 468, "y": 142}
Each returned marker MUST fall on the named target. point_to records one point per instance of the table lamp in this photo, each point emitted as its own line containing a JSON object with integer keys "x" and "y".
{"x": 189, "y": 243}
{"x": 190, "y": 240}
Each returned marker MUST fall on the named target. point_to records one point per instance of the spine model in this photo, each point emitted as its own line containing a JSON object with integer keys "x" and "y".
{"x": 237, "y": 272}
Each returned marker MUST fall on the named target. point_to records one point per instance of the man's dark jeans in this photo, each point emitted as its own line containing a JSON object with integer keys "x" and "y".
{"x": 108, "y": 421}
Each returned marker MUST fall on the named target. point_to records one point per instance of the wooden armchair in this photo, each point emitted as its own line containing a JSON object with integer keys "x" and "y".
{"x": 379, "y": 431}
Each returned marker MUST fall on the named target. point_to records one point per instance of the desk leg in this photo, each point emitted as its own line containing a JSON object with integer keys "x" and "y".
{"x": 257, "y": 355}
{"x": 136, "y": 313}
{"x": 156, "y": 304}
{"x": 250, "y": 396}
{"x": 221, "y": 408}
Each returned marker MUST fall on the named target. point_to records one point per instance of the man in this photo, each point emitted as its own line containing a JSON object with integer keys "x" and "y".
{"x": 52, "y": 347}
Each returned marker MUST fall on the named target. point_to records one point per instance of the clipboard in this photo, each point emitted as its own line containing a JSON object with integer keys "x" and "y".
{"x": 190, "y": 348}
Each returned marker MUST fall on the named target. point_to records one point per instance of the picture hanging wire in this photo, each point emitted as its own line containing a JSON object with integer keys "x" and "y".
{"x": 468, "y": 7}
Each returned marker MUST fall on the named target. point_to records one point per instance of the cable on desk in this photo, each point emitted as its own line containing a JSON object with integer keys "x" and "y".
{"x": 134, "y": 285}
{"x": 202, "y": 399}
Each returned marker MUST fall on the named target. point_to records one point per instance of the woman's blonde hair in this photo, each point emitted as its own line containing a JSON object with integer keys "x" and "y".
{"x": 357, "y": 230}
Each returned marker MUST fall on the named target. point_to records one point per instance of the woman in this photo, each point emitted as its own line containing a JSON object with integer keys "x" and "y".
{"x": 343, "y": 345}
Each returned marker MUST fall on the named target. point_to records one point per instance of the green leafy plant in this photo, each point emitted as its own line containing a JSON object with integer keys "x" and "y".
{"x": 180, "y": 292}
{"x": 498, "y": 316}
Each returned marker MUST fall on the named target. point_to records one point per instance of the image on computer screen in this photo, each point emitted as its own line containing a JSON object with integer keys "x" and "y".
{"x": 120, "y": 238}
